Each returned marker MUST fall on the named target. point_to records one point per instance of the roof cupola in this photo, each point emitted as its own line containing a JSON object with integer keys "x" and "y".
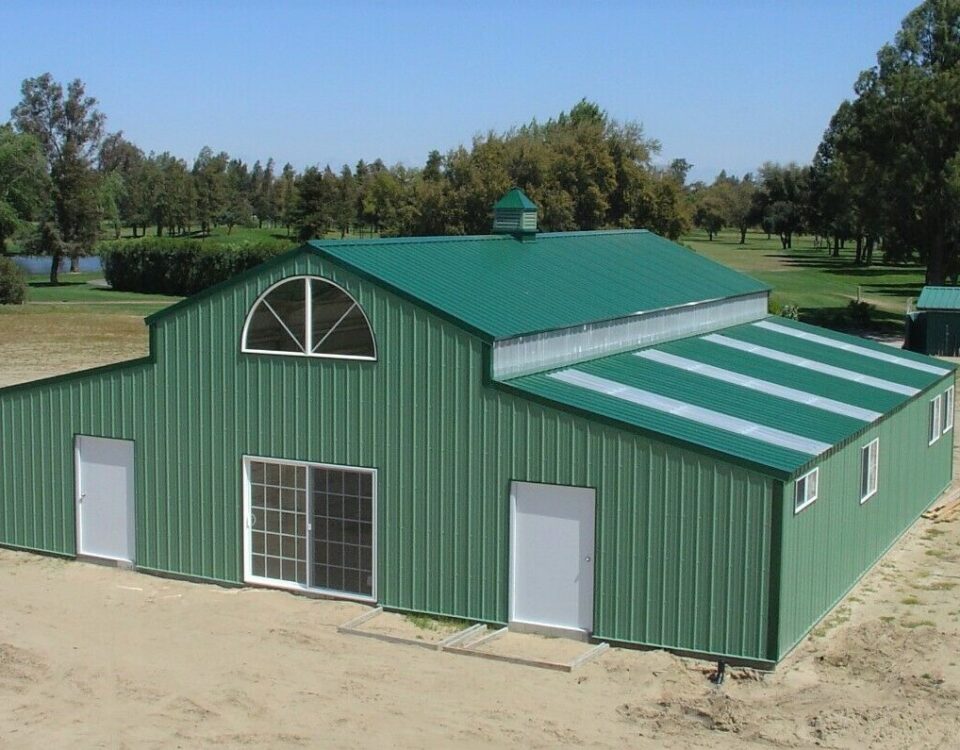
{"x": 515, "y": 214}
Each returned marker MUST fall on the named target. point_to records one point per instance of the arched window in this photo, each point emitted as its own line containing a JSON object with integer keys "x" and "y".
{"x": 308, "y": 316}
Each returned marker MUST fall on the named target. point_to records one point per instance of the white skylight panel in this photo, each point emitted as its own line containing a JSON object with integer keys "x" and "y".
{"x": 810, "y": 364}
{"x": 761, "y": 386}
{"x": 708, "y": 417}
{"x": 852, "y": 348}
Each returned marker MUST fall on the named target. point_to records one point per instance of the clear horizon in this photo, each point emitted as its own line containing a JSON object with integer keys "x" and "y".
{"x": 723, "y": 86}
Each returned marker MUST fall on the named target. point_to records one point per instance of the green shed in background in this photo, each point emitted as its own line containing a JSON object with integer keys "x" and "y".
{"x": 934, "y": 327}
{"x": 586, "y": 433}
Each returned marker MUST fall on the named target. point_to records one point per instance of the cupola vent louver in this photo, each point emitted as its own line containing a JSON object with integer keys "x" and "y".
{"x": 515, "y": 214}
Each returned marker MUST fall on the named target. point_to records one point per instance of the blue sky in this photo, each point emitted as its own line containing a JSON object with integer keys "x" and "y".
{"x": 722, "y": 84}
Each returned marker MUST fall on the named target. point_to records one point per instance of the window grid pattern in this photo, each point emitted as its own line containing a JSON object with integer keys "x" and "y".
{"x": 343, "y": 530}
{"x": 278, "y": 529}
{"x": 312, "y": 526}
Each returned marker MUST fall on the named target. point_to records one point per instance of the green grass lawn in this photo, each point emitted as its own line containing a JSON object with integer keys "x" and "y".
{"x": 821, "y": 286}
{"x": 74, "y": 295}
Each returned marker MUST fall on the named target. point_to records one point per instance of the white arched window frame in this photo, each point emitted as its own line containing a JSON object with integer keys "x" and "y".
{"x": 312, "y": 339}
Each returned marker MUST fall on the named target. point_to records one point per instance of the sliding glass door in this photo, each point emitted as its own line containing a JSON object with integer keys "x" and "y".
{"x": 310, "y": 527}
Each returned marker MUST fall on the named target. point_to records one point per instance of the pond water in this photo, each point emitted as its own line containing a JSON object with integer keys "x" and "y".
{"x": 34, "y": 264}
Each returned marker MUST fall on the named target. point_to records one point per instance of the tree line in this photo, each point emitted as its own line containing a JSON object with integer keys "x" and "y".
{"x": 886, "y": 175}
{"x": 885, "y": 178}
{"x": 68, "y": 179}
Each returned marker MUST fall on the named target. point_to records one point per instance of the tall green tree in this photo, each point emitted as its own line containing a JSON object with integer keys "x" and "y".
{"x": 784, "y": 197}
{"x": 317, "y": 197}
{"x": 24, "y": 183}
{"x": 210, "y": 186}
{"x": 69, "y": 129}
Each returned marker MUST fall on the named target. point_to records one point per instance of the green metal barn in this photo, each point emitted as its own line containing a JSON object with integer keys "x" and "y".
{"x": 597, "y": 433}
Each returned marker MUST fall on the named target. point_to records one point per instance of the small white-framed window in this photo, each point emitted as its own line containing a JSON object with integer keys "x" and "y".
{"x": 805, "y": 490}
{"x": 869, "y": 469}
{"x": 936, "y": 425}
{"x": 948, "y": 409}
{"x": 308, "y": 316}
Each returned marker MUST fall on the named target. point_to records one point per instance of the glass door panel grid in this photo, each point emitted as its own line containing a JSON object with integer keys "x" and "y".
{"x": 312, "y": 526}
{"x": 343, "y": 530}
{"x": 278, "y": 533}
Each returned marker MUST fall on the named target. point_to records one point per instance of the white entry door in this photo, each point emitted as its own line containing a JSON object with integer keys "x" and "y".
{"x": 105, "y": 524}
{"x": 551, "y": 556}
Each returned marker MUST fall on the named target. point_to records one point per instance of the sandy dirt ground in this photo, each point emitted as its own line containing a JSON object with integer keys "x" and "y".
{"x": 98, "y": 657}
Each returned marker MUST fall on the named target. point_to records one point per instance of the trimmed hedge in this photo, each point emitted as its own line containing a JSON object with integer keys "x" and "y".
{"x": 179, "y": 268}
{"x": 13, "y": 283}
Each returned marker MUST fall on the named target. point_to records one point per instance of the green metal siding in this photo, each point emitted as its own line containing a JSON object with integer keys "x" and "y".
{"x": 38, "y": 426}
{"x": 942, "y": 333}
{"x": 683, "y": 538}
{"x": 826, "y": 547}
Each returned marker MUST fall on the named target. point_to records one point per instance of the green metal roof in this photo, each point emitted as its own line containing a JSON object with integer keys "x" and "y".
{"x": 725, "y": 393}
{"x": 939, "y": 298}
{"x": 498, "y": 287}
{"x": 516, "y": 198}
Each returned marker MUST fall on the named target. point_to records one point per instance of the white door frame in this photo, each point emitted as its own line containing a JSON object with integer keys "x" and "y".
{"x": 547, "y": 628}
{"x": 79, "y": 494}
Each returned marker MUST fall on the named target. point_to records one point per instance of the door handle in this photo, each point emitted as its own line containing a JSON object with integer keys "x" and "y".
{"x": 587, "y": 558}
{"x": 82, "y": 496}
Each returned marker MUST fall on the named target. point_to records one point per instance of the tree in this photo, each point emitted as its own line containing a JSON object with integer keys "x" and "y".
{"x": 287, "y": 198}
{"x": 346, "y": 205}
{"x": 69, "y": 130}
{"x": 737, "y": 198}
{"x": 316, "y": 202}
{"x": 784, "y": 199}
{"x": 237, "y": 206}
{"x": 210, "y": 184}
{"x": 24, "y": 183}
{"x": 709, "y": 211}
{"x": 76, "y": 208}
{"x": 120, "y": 163}
{"x": 679, "y": 169}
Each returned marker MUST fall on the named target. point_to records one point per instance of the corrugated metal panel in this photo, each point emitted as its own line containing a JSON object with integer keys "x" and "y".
{"x": 684, "y": 409}
{"x": 682, "y": 537}
{"x": 792, "y": 377}
{"x": 941, "y": 332}
{"x": 38, "y": 426}
{"x": 859, "y": 342}
{"x": 500, "y": 287}
{"x": 888, "y": 356}
{"x": 825, "y": 548}
{"x": 760, "y": 385}
{"x": 835, "y": 357}
{"x": 522, "y": 355}
{"x": 939, "y": 298}
{"x": 659, "y": 425}
{"x": 809, "y": 363}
